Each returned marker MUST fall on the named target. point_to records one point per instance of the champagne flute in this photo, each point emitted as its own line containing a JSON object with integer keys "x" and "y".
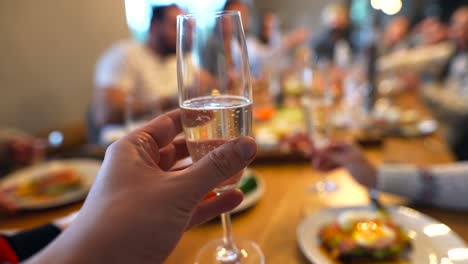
{"x": 215, "y": 96}
{"x": 317, "y": 106}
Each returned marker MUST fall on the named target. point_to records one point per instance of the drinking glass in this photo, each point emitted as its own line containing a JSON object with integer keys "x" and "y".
{"x": 317, "y": 105}
{"x": 215, "y": 96}
{"x": 140, "y": 108}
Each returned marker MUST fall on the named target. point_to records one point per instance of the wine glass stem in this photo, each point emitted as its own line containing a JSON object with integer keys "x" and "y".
{"x": 228, "y": 243}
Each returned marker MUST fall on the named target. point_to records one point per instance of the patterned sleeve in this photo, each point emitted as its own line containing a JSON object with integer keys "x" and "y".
{"x": 450, "y": 184}
{"x": 441, "y": 185}
{"x": 400, "y": 179}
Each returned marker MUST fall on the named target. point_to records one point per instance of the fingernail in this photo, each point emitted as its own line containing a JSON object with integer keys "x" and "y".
{"x": 246, "y": 147}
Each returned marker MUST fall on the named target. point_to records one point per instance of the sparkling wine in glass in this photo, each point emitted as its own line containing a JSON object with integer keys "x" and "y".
{"x": 213, "y": 120}
{"x": 215, "y": 97}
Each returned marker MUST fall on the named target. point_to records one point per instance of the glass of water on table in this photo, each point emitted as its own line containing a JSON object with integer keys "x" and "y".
{"x": 317, "y": 106}
{"x": 215, "y": 96}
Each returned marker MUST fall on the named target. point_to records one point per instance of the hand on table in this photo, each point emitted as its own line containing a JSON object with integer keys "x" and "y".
{"x": 25, "y": 150}
{"x": 137, "y": 209}
{"x": 297, "y": 142}
{"x": 18, "y": 150}
{"x": 348, "y": 156}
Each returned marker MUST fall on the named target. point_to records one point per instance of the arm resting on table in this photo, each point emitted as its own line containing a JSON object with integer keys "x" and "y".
{"x": 441, "y": 185}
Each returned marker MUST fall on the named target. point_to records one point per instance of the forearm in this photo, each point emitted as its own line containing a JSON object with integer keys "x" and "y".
{"x": 444, "y": 186}
{"x": 93, "y": 250}
{"x": 399, "y": 179}
{"x": 450, "y": 185}
{"x": 92, "y": 240}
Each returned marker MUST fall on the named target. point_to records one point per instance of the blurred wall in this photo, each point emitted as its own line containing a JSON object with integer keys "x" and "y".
{"x": 48, "y": 49}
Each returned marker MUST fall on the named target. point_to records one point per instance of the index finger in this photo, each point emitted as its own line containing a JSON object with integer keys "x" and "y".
{"x": 164, "y": 128}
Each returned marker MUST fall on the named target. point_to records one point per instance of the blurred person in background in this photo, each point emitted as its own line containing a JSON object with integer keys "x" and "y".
{"x": 271, "y": 44}
{"x": 443, "y": 9}
{"x": 336, "y": 35}
{"x": 270, "y": 36}
{"x": 257, "y": 55}
{"x": 449, "y": 102}
{"x": 147, "y": 72}
{"x": 440, "y": 185}
{"x": 395, "y": 35}
{"x": 432, "y": 31}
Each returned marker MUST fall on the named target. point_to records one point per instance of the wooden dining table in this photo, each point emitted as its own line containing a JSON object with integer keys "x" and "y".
{"x": 273, "y": 221}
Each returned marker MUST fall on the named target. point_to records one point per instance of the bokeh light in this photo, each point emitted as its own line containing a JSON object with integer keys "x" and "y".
{"x": 391, "y": 7}
{"x": 376, "y": 4}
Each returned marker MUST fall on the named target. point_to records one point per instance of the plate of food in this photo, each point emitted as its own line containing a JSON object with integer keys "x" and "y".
{"x": 270, "y": 134}
{"x": 363, "y": 235}
{"x": 253, "y": 188}
{"x": 50, "y": 184}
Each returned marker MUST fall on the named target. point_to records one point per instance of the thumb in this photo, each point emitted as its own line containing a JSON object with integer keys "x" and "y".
{"x": 219, "y": 165}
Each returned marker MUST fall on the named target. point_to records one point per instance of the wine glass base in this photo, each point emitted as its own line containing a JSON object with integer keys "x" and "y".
{"x": 248, "y": 252}
{"x": 324, "y": 186}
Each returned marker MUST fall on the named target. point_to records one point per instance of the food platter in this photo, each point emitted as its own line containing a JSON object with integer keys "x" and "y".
{"x": 433, "y": 242}
{"x": 50, "y": 184}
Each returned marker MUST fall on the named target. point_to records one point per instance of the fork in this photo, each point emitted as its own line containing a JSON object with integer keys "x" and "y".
{"x": 378, "y": 206}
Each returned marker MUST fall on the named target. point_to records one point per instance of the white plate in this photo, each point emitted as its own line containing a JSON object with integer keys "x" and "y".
{"x": 253, "y": 197}
{"x": 86, "y": 168}
{"x": 433, "y": 242}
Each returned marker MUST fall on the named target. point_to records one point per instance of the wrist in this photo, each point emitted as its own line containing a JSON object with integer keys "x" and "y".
{"x": 372, "y": 179}
{"x": 400, "y": 179}
{"x": 365, "y": 173}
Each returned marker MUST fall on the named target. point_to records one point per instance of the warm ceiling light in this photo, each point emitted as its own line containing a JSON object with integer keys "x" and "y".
{"x": 391, "y": 7}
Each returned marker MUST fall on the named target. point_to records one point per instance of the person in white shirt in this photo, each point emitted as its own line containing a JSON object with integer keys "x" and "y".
{"x": 261, "y": 54}
{"x": 275, "y": 45}
{"x": 440, "y": 185}
{"x": 144, "y": 72}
